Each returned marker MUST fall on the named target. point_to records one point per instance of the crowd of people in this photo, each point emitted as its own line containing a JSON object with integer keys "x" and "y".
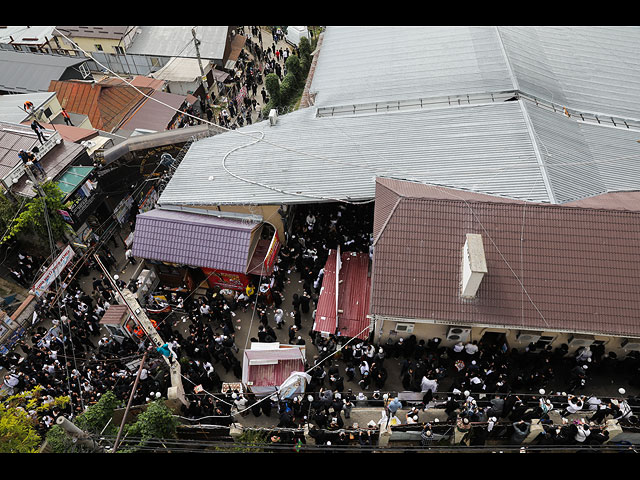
{"x": 73, "y": 358}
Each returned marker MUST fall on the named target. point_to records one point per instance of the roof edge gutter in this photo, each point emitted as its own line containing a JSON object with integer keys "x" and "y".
{"x": 215, "y": 213}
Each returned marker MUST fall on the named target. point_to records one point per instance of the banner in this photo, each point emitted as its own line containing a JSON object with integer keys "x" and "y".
{"x": 121, "y": 212}
{"x": 149, "y": 201}
{"x": 241, "y": 94}
{"x": 272, "y": 254}
{"x": 53, "y": 271}
{"x": 230, "y": 280}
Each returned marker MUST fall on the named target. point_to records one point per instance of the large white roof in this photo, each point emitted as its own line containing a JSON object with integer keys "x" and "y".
{"x": 476, "y": 108}
{"x": 177, "y": 41}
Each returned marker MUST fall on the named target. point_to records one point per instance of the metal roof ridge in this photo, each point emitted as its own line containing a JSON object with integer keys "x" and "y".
{"x": 541, "y": 162}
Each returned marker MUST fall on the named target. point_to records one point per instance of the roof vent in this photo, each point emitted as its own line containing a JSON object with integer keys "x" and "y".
{"x": 474, "y": 265}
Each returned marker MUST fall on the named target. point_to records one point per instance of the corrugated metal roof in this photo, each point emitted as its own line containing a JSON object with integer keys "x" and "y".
{"x": 35, "y": 35}
{"x": 11, "y": 105}
{"x": 325, "y": 320}
{"x": 353, "y": 297}
{"x": 583, "y": 159}
{"x": 193, "y": 239}
{"x": 590, "y": 69}
{"x": 22, "y": 72}
{"x": 513, "y": 149}
{"x": 155, "y": 116}
{"x": 177, "y": 41}
{"x": 580, "y": 267}
{"x": 479, "y": 148}
{"x": 378, "y": 63}
{"x": 105, "y": 105}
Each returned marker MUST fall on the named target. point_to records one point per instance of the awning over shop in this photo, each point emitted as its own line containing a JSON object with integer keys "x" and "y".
{"x": 73, "y": 178}
{"x": 267, "y": 366}
{"x": 352, "y": 290}
{"x": 197, "y": 240}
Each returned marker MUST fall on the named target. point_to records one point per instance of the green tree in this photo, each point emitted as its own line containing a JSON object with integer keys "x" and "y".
{"x": 93, "y": 420}
{"x": 288, "y": 89}
{"x": 157, "y": 421}
{"x": 249, "y": 441}
{"x": 37, "y": 219}
{"x": 305, "y": 51}
{"x": 19, "y": 418}
{"x": 293, "y": 67}
{"x": 272, "y": 83}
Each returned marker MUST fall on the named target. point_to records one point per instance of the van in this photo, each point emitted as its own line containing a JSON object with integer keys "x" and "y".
{"x": 294, "y": 34}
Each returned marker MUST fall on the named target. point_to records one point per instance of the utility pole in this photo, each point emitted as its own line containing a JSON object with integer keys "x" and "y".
{"x": 205, "y": 84}
{"x": 77, "y": 435}
{"x": 175, "y": 393}
{"x": 131, "y": 395}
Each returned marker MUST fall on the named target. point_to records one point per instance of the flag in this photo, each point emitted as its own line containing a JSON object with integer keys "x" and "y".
{"x": 298, "y": 446}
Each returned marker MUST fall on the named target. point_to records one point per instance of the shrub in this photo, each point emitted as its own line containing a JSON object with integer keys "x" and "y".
{"x": 272, "y": 84}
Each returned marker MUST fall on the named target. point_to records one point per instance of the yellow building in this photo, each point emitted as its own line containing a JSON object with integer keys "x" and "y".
{"x": 105, "y": 39}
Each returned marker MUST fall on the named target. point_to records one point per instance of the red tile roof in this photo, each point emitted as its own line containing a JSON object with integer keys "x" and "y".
{"x": 580, "y": 267}
{"x": 105, "y": 105}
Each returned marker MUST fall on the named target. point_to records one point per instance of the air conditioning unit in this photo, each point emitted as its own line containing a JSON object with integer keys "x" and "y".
{"x": 459, "y": 334}
{"x": 528, "y": 337}
{"x": 273, "y": 116}
{"x": 581, "y": 340}
{"x": 631, "y": 344}
{"x": 404, "y": 327}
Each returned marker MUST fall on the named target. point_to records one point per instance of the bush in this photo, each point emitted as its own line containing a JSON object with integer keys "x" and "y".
{"x": 272, "y": 84}
{"x": 288, "y": 89}
{"x": 293, "y": 67}
{"x": 157, "y": 421}
{"x": 96, "y": 417}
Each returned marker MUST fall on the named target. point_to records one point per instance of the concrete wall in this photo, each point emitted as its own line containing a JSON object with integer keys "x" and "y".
{"x": 427, "y": 330}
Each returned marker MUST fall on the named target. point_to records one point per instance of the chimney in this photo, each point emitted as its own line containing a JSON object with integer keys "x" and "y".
{"x": 474, "y": 265}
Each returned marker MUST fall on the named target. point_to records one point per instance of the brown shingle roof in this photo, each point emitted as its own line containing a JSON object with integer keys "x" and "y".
{"x": 580, "y": 267}
{"x": 105, "y": 105}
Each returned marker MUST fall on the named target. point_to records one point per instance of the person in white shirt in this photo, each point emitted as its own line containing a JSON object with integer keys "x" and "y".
{"x": 279, "y": 317}
{"x": 582, "y": 433}
{"x": 575, "y": 404}
{"x": 471, "y": 348}
{"x": 428, "y": 384}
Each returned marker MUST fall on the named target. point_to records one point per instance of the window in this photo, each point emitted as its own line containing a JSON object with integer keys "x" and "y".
{"x": 47, "y": 112}
{"x": 84, "y": 70}
{"x": 98, "y": 47}
{"x": 119, "y": 50}
{"x": 155, "y": 62}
